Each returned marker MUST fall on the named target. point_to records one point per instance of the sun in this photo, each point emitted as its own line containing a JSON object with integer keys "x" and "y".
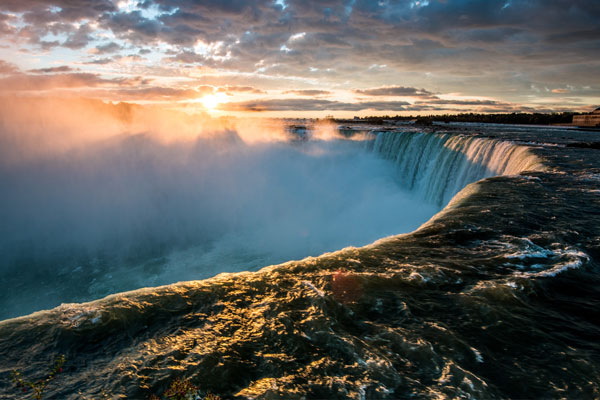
{"x": 211, "y": 101}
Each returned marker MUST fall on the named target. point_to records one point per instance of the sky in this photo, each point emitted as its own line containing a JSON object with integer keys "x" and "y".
{"x": 305, "y": 58}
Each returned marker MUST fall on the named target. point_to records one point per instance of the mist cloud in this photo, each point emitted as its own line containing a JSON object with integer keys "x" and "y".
{"x": 111, "y": 198}
{"x": 394, "y": 91}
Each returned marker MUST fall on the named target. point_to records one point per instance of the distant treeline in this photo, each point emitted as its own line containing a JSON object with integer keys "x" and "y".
{"x": 513, "y": 118}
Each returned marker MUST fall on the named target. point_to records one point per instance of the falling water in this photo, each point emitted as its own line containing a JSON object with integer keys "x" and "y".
{"x": 437, "y": 166}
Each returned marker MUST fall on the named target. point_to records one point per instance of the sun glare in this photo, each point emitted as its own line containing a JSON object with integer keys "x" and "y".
{"x": 211, "y": 101}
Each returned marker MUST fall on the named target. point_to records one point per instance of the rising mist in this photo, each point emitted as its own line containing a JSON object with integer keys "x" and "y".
{"x": 118, "y": 197}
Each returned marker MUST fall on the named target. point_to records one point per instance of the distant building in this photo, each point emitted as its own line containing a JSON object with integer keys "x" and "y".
{"x": 591, "y": 119}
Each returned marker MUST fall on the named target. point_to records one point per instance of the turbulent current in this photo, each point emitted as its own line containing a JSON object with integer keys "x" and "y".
{"x": 494, "y": 295}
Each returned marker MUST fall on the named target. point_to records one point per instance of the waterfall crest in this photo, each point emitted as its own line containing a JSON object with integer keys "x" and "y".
{"x": 436, "y": 166}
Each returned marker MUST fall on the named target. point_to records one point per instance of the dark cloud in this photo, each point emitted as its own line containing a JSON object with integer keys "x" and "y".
{"x": 101, "y": 61}
{"x": 52, "y": 70}
{"x": 437, "y": 101}
{"x": 110, "y": 47}
{"x": 393, "y": 91}
{"x": 308, "y": 92}
{"x": 311, "y": 105}
{"x": 135, "y": 28}
{"x": 240, "y": 89}
{"x": 79, "y": 38}
{"x": 131, "y": 81}
{"x": 62, "y": 10}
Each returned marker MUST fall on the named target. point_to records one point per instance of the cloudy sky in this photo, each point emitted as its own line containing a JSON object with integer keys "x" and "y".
{"x": 307, "y": 58}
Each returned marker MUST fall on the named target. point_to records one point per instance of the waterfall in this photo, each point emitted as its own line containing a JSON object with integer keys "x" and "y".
{"x": 436, "y": 166}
